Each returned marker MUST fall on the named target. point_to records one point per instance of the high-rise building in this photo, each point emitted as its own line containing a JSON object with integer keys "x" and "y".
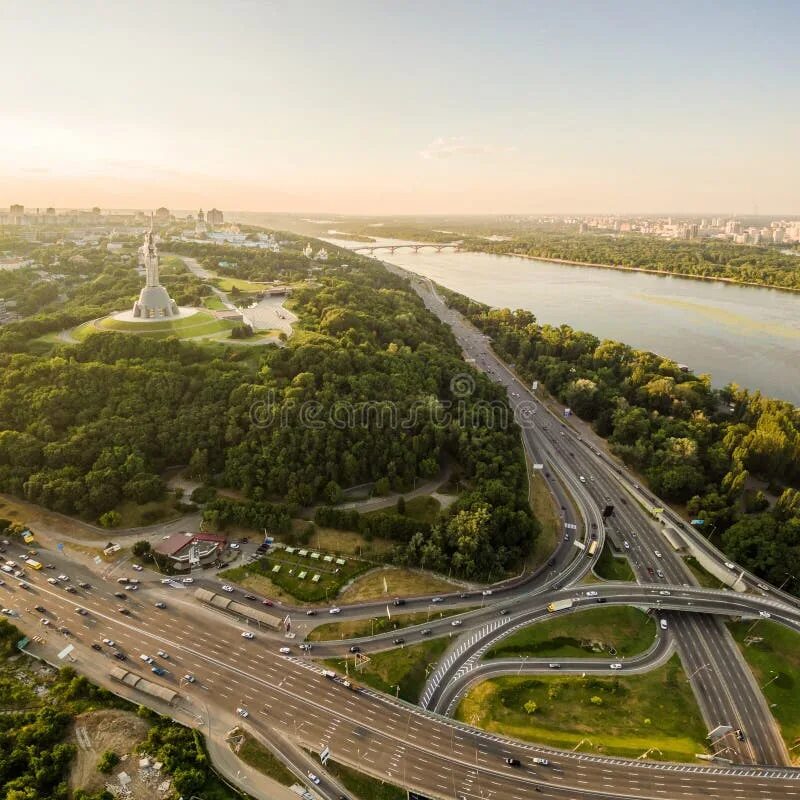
{"x": 200, "y": 225}
{"x": 214, "y": 217}
{"x": 17, "y": 209}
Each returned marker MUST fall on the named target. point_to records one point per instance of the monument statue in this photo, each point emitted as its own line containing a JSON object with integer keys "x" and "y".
{"x": 154, "y": 301}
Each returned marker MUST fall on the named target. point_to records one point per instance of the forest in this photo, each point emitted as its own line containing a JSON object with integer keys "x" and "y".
{"x": 731, "y": 457}
{"x": 361, "y": 393}
{"x": 766, "y": 266}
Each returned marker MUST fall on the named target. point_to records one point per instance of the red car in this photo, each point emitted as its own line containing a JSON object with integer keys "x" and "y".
{"x": 650, "y": 571}
{"x": 267, "y": 602}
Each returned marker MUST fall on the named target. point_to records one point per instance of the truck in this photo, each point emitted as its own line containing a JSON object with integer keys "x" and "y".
{"x": 560, "y": 605}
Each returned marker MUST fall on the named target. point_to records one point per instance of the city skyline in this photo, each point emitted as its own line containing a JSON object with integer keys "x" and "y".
{"x": 372, "y": 109}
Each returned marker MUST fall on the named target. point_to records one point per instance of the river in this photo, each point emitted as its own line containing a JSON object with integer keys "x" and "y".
{"x": 743, "y": 334}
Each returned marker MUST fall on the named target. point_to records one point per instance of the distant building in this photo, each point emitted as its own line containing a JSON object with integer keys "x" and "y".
{"x": 200, "y": 225}
{"x": 214, "y": 217}
{"x": 180, "y": 547}
{"x": 308, "y": 251}
{"x": 162, "y": 214}
{"x": 16, "y": 209}
{"x": 322, "y": 254}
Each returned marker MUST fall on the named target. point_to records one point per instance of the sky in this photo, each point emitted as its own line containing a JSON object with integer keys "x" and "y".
{"x": 402, "y": 107}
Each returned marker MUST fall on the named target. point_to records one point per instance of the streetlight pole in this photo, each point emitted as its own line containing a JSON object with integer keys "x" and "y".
{"x": 775, "y": 677}
{"x": 705, "y": 666}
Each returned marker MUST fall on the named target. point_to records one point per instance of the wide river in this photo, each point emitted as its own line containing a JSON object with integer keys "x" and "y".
{"x": 743, "y": 334}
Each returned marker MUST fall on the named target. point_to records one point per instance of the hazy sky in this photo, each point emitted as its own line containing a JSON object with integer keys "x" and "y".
{"x": 401, "y": 107}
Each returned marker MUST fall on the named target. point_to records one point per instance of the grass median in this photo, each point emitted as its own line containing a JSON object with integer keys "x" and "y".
{"x": 259, "y": 757}
{"x": 403, "y": 667}
{"x": 364, "y": 786}
{"x": 615, "y": 631}
{"x": 612, "y": 568}
{"x": 628, "y": 716}
{"x": 356, "y": 628}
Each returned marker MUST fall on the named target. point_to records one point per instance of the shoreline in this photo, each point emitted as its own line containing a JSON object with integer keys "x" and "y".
{"x": 622, "y": 268}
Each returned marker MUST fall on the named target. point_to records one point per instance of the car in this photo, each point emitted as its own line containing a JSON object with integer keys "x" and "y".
{"x": 121, "y": 595}
{"x": 166, "y": 580}
{"x": 44, "y": 621}
{"x": 226, "y": 587}
{"x": 119, "y": 656}
{"x": 189, "y": 678}
{"x": 398, "y": 601}
{"x": 267, "y": 602}
{"x": 660, "y": 573}
{"x": 664, "y": 592}
{"x": 160, "y": 604}
{"x": 63, "y": 577}
{"x": 425, "y": 632}
{"x": 601, "y": 600}
{"x": 542, "y": 762}
{"x": 663, "y": 624}
{"x": 109, "y": 642}
{"x": 554, "y": 666}
{"x": 124, "y": 611}
{"x": 162, "y": 654}
{"x": 591, "y": 594}
{"x": 355, "y": 648}
{"x": 71, "y": 589}
{"x": 399, "y": 640}
{"x": 250, "y": 597}
{"x": 306, "y": 646}
{"x": 285, "y": 650}
{"x": 763, "y": 587}
{"x": 503, "y": 612}
{"x": 137, "y": 567}
{"x": 96, "y": 646}
{"x": 82, "y": 611}
{"x": 53, "y": 581}
{"x": 243, "y": 712}
{"x": 158, "y": 670}
{"x": 335, "y": 610}
{"x": 486, "y": 592}
{"x": 131, "y": 587}
{"x": 84, "y": 585}
{"x": 147, "y": 659}
{"x": 657, "y": 553}
{"x": 65, "y": 631}
{"x": 248, "y": 635}
{"x": 650, "y": 571}
{"x": 313, "y": 778}
{"x": 187, "y": 580}
{"x": 40, "y": 609}
{"x": 234, "y": 546}
{"x": 513, "y": 762}
{"x": 615, "y": 666}
{"x": 23, "y": 585}
{"x": 311, "y": 613}
{"x": 764, "y": 614}
{"x": 626, "y": 544}
{"x": 8, "y": 612}
{"x": 49, "y": 566}
{"x": 437, "y": 600}
{"x": 566, "y": 536}
{"x": 740, "y": 734}
{"x": 730, "y": 565}
{"x": 456, "y": 622}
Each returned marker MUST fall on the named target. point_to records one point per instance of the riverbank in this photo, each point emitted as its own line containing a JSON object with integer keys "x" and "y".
{"x": 645, "y": 270}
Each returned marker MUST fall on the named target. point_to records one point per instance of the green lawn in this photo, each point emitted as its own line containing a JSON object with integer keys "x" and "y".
{"x": 704, "y": 578}
{"x": 292, "y": 565}
{"x": 363, "y": 786}
{"x": 613, "y": 569}
{"x": 199, "y": 324}
{"x": 596, "y": 632}
{"x": 545, "y": 511}
{"x": 214, "y": 303}
{"x": 226, "y": 284}
{"x": 356, "y": 628}
{"x": 255, "y": 754}
{"x": 634, "y": 713}
{"x": 404, "y": 667}
{"x": 775, "y": 662}
{"x": 423, "y": 508}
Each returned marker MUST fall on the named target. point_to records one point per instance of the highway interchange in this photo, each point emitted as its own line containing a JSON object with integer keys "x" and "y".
{"x": 425, "y": 751}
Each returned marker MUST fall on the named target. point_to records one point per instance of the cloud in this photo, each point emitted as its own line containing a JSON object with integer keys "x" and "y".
{"x": 449, "y": 146}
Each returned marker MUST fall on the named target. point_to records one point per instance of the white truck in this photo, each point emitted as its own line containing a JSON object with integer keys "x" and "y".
{"x": 560, "y": 605}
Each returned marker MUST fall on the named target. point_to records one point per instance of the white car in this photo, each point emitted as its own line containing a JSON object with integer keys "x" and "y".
{"x": 436, "y": 600}
{"x": 166, "y": 580}
{"x": 456, "y": 622}
{"x": 486, "y": 592}
{"x": 243, "y": 712}
{"x": 248, "y": 635}
{"x": 657, "y": 553}
{"x": 189, "y": 678}
{"x": 9, "y": 611}
{"x": 109, "y": 642}
{"x": 147, "y": 659}
{"x": 63, "y": 577}
{"x": 227, "y": 588}
{"x": 663, "y": 624}
{"x": 664, "y": 592}
{"x": 626, "y": 545}
{"x": 730, "y": 565}
{"x": 187, "y": 580}
{"x": 313, "y": 778}
{"x": 234, "y": 546}
{"x": 591, "y": 594}
{"x": 615, "y": 666}
{"x": 162, "y": 654}
{"x": 764, "y": 614}
{"x": 335, "y": 610}
{"x": 138, "y": 567}
{"x": 285, "y": 650}
{"x": 44, "y": 621}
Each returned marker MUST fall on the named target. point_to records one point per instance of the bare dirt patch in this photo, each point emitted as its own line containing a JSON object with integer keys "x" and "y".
{"x": 398, "y": 582}
{"x": 108, "y": 729}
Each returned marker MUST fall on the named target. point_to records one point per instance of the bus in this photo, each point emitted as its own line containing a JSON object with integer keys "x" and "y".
{"x": 32, "y": 563}
{"x": 592, "y": 549}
